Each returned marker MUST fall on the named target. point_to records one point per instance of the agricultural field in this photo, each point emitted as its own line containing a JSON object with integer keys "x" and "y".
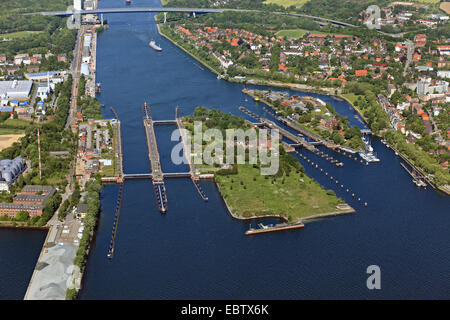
{"x": 9, "y": 136}
{"x": 445, "y": 6}
{"x": 288, "y": 3}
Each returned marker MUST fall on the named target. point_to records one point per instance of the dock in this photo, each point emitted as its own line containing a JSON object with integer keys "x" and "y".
{"x": 415, "y": 177}
{"x": 263, "y": 122}
{"x": 278, "y": 227}
{"x": 115, "y": 223}
{"x": 419, "y": 173}
{"x": 156, "y": 175}
{"x": 155, "y": 162}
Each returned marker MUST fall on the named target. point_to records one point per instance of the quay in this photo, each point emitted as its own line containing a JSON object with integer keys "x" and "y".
{"x": 115, "y": 223}
{"x": 263, "y": 122}
{"x": 278, "y": 227}
{"x": 157, "y": 175}
{"x": 119, "y": 152}
{"x": 155, "y": 163}
{"x": 417, "y": 181}
{"x": 419, "y": 173}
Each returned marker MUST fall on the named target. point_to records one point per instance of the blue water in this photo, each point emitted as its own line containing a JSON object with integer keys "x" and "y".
{"x": 19, "y": 251}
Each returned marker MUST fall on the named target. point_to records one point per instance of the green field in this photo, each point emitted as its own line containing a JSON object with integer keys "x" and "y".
{"x": 17, "y": 123}
{"x": 288, "y": 3}
{"x": 10, "y": 131}
{"x": 295, "y": 196}
{"x": 292, "y": 33}
{"x": 20, "y": 34}
{"x": 298, "y": 33}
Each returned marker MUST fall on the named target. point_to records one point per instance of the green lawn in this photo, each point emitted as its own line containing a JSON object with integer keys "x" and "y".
{"x": 351, "y": 97}
{"x": 288, "y": 3}
{"x": 19, "y": 123}
{"x": 19, "y": 34}
{"x": 298, "y": 33}
{"x": 299, "y": 196}
{"x": 10, "y": 131}
{"x": 292, "y": 33}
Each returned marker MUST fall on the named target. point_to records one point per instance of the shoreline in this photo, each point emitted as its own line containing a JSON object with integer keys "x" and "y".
{"x": 355, "y": 108}
{"x": 285, "y": 225}
{"x": 268, "y": 83}
{"x": 189, "y": 53}
{"x": 23, "y": 227}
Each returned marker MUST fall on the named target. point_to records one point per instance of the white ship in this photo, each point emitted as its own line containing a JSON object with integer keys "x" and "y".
{"x": 368, "y": 154}
{"x": 154, "y": 46}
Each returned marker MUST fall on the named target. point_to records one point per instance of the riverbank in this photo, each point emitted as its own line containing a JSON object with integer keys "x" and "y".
{"x": 20, "y": 225}
{"x": 300, "y": 223}
{"x": 273, "y": 83}
{"x": 354, "y": 107}
{"x": 332, "y": 92}
{"x": 186, "y": 51}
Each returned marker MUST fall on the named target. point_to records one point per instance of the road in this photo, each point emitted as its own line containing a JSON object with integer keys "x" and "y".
{"x": 188, "y": 10}
{"x": 75, "y": 70}
{"x": 409, "y": 55}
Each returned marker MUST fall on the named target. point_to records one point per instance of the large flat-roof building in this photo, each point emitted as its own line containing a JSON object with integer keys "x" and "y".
{"x": 17, "y": 89}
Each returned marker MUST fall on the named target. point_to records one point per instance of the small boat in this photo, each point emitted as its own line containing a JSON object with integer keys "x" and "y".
{"x": 154, "y": 46}
{"x": 368, "y": 154}
{"x": 128, "y": 1}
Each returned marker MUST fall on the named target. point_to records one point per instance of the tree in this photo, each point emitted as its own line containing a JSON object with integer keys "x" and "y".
{"x": 22, "y": 216}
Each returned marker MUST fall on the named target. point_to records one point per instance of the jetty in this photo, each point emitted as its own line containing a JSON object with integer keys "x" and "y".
{"x": 115, "y": 223}
{"x": 277, "y": 227}
{"x": 415, "y": 177}
{"x": 155, "y": 163}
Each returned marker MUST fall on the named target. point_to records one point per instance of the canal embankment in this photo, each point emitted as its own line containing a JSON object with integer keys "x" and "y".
{"x": 254, "y": 81}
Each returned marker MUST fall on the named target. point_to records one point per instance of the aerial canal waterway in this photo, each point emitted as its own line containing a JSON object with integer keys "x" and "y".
{"x": 197, "y": 250}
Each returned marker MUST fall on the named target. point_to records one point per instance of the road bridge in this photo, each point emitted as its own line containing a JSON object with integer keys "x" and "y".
{"x": 187, "y": 10}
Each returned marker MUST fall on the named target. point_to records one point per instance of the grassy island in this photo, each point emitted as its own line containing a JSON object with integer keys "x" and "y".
{"x": 292, "y": 196}
{"x": 289, "y": 194}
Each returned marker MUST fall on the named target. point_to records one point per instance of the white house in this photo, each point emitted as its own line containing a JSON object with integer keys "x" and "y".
{"x": 443, "y": 73}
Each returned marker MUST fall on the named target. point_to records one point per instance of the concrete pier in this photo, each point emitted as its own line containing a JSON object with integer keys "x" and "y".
{"x": 155, "y": 162}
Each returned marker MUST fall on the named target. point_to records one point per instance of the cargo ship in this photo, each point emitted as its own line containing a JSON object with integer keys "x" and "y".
{"x": 154, "y": 46}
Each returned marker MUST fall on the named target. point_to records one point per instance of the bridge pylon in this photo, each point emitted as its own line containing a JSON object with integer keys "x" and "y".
{"x": 165, "y": 17}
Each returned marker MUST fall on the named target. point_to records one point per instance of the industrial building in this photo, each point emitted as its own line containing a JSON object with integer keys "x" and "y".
{"x": 38, "y": 189}
{"x": 16, "y": 89}
{"x": 9, "y": 171}
{"x": 85, "y": 69}
{"x": 53, "y": 76}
